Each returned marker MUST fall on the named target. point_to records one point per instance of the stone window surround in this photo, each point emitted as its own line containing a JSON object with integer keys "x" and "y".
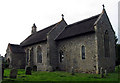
{"x": 61, "y": 56}
{"x": 41, "y": 54}
{"x": 83, "y": 46}
{"x": 27, "y": 55}
{"x": 29, "y": 50}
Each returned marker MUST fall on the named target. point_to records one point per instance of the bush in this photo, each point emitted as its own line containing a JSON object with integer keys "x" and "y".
{"x": 117, "y": 68}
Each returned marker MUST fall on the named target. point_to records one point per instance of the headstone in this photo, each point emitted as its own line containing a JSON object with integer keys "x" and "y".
{"x": 13, "y": 73}
{"x": 101, "y": 72}
{"x": 72, "y": 73}
{"x": 0, "y": 69}
{"x": 34, "y": 68}
{"x": 50, "y": 69}
{"x": 105, "y": 72}
{"x": 28, "y": 70}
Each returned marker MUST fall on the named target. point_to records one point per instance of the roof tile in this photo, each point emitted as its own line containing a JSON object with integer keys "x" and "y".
{"x": 78, "y": 28}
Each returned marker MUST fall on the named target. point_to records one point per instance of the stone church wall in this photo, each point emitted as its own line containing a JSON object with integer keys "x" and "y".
{"x": 15, "y": 60}
{"x": 40, "y": 66}
{"x": 9, "y": 57}
{"x": 18, "y": 60}
{"x": 51, "y": 43}
{"x": 105, "y": 62}
{"x": 73, "y": 56}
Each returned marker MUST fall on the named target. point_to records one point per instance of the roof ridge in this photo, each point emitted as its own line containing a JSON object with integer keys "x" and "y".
{"x": 56, "y": 25}
{"x": 42, "y": 29}
{"x": 37, "y": 33}
{"x": 15, "y": 48}
{"x": 84, "y": 20}
{"x": 47, "y": 27}
{"x": 14, "y": 44}
{"x": 74, "y": 29}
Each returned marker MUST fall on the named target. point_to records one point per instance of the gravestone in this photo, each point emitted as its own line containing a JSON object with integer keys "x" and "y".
{"x": 72, "y": 73}
{"x": 101, "y": 72}
{"x": 34, "y": 68}
{"x": 105, "y": 72}
{"x": 28, "y": 70}
{"x": 13, "y": 73}
{"x": 0, "y": 69}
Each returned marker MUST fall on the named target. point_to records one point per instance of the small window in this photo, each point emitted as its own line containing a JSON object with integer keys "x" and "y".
{"x": 83, "y": 52}
{"x": 27, "y": 55}
{"x": 61, "y": 56}
{"x": 106, "y": 44}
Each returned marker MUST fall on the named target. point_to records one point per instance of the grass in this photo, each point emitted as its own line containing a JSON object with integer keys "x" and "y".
{"x": 58, "y": 76}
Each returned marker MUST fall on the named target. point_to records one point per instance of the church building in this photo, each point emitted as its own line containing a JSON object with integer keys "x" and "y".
{"x": 84, "y": 46}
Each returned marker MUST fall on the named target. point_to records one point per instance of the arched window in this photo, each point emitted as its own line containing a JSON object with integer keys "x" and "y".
{"x": 31, "y": 53}
{"x": 83, "y": 52}
{"x": 31, "y": 56}
{"x": 106, "y": 44}
{"x": 39, "y": 55}
{"x": 61, "y": 54}
{"x": 27, "y": 55}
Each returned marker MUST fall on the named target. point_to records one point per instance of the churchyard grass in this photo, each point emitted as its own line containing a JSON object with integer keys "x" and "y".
{"x": 58, "y": 76}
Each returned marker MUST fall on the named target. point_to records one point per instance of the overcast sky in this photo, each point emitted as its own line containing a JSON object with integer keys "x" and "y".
{"x": 18, "y": 16}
